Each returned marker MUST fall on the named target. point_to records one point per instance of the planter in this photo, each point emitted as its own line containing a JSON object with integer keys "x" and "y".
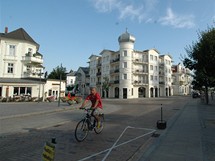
{"x": 50, "y": 99}
{"x": 63, "y": 99}
{"x": 78, "y": 100}
{"x": 71, "y": 102}
{"x": 161, "y": 124}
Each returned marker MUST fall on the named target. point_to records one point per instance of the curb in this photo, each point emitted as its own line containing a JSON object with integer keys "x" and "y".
{"x": 146, "y": 155}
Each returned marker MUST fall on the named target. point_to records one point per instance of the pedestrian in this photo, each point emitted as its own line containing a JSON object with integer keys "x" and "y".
{"x": 96, "y": 104}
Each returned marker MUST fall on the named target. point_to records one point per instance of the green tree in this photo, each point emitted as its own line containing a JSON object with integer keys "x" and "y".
{"x": 58, "y": 72}
{"x": 105, "y": 85}
{"x": 200, "y": 58}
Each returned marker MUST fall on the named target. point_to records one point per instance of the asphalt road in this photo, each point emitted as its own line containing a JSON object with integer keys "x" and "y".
{"x": 129, "y": 125}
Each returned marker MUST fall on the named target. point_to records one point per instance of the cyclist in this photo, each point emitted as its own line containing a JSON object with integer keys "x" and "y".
{"x": 96, "y": 101}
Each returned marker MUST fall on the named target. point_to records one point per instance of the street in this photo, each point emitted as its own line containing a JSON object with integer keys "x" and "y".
{"x": 129, "y": 125}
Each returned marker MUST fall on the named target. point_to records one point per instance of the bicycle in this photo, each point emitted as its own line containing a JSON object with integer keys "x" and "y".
{"x": 88, "y": 124}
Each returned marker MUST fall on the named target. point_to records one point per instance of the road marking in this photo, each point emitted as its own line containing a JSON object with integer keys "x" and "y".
{"x": 116, "y": 146}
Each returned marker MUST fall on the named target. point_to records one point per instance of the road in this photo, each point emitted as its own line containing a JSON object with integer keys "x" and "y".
{"x": 129, "y": 125}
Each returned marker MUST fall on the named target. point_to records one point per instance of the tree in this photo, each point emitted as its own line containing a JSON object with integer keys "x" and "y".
{"x": 105, "y": 85}
{"x": 201, "y": 58}
{"x": 58, "y": 72}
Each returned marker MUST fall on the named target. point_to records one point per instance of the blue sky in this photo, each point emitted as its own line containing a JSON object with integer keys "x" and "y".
{"x": 69, "y": 31}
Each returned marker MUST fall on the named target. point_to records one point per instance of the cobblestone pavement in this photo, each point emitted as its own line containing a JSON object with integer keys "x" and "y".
{"x": 189, "y": 137}
{"x": 29, "y": 146}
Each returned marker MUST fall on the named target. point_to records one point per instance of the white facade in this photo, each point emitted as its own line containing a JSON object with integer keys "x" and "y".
{"x": 165, "y": 75}
{"x": 130, "y": 73}
{"x": 70, "y": 79}
{"x": 21, "y": 65}
{"x": 53, "y": 88}
{"x": 181, "y": 80}
{"x": 83, "y": 80}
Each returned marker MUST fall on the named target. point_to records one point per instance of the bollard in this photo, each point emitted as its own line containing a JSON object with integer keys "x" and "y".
{"x": 161, "y": 124}
{"x": 49, "y": 150}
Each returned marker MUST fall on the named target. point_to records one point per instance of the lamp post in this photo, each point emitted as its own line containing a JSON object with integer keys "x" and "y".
{"x": 39, "y": 86}
{"x": 60, "y": 85}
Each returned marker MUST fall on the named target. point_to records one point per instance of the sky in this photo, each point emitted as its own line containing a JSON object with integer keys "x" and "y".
{"x": 69, "y": 31}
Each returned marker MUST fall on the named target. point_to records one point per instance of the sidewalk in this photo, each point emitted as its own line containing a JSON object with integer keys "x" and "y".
{"x": 189, "y": 136}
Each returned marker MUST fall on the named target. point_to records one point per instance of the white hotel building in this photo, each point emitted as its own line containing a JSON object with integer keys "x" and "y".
{"x": 129, "y": 73}
{"x": 21, "y": 68}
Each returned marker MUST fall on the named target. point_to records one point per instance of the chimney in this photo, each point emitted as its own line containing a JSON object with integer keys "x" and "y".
{"x": 6, "y": 30}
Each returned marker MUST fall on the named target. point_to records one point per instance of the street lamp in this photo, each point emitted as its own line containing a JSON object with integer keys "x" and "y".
{"x": 39, "y": 85}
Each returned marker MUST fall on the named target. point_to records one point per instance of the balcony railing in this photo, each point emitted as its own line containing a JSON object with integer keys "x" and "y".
{"x": 139, "y": 61}
{"x": 115, "y": 60}
{"x": 114, "y": 82}
{"x": 99, "y": 73}
{"x": 138, "y": 82}
{"x": 140, "y": 71}
{"x": 114, "y": 71}
{"x": 32, "y": 59}
{"x": 161, "y": 82}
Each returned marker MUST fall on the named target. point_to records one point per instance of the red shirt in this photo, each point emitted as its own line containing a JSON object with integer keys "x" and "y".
{"x": 94, "y": 98}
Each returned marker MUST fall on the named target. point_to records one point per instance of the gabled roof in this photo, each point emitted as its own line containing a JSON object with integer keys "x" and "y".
{"x": 19, "y": 34}
{"x": 93, "y": 56}
{"x": 106, "y": 50}
{"x": 84, "y": 69}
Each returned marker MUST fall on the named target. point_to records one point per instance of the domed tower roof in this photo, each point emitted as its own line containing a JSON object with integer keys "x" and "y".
{"x": 126, "y": 37}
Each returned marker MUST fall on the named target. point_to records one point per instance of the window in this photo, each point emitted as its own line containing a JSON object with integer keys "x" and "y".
{"x": 29, "y": 50}
{"x": 71, "y": 81}
{"x": 125, "y": 65}
{"x": 156, "y": 58}
{"x": 132, "y": 91}
{"x": 156, "y": 68}
{"x": 50, "y": 92}
{"x": 151, "y": 57}
{"x": 12, "y": 49}
{"x": 151, "y": 77}
{"x": 156, "y": 78}
{"x": 151, "y": 67}
{"x": 125, "y": 53}
{"x": 10, "y": 68}
{"x": 16, "y": 91}
{"x": 124, "y": 76}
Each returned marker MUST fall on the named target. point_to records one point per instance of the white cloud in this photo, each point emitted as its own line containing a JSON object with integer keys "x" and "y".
{"x": 177, "y": 21}
{"x": 125, "y": 9}
{"x": 105, "y": 5}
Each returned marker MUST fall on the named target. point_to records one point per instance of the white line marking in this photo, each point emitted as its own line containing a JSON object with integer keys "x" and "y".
{"x": 114, "y": 144}
{"x": 110, "y": 149}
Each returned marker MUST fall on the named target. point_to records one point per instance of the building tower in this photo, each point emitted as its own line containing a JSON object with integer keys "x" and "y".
{"x": 126, "y": 47}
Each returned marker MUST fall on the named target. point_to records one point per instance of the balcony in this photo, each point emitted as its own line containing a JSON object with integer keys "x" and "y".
{"x": 138, "y": 82}
{"x": 161, "y": 82}
{"x": 32, "y": 59}
{"x": 139, "y": 61}
{"x": 114, "y": 82}
{"x": 115, "y": 60}
{"x": 99, "y": 65}
{"x": 99, "y": 83}
{"x": 141, "y": 72}
{"x": 114, "y": 71}
{"x": 98, "y": 74}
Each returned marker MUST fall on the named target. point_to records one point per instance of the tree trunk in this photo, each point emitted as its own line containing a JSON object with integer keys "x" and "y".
{"x": 206, "y": 94}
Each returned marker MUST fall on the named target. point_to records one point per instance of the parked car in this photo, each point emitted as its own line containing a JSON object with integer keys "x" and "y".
{"x": 195, "y": 95}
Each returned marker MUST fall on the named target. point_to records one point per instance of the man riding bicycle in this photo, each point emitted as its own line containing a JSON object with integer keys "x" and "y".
{"x": 96, "y": 106}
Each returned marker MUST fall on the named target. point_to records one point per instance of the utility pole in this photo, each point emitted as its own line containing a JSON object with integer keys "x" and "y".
{"x": 39, "y": 87}
{"x": 60, "y": 85}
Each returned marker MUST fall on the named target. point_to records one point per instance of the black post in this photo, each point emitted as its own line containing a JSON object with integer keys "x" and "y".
{"x": 161, "y": 113}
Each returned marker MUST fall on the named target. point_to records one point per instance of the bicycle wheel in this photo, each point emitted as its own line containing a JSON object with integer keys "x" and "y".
{"x": 98, "y": 129}
{"x": 81, "y": 130}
